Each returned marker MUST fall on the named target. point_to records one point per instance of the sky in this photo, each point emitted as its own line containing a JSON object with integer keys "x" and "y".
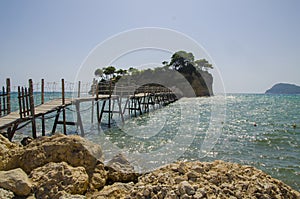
{"x": 252, "y": 43}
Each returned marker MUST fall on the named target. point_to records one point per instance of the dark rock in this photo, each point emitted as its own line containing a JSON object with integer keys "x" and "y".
{"x": 26, "y": 140}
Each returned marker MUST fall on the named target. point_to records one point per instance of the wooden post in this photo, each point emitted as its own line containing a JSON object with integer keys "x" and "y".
{"x": 27, "y": 105}
{"x": 42, "y": 92}
{"x": 120, "y": 109}
{"x": 3, "y": 91}
{"x": 93, "y": 93}
{"x": 8, "y": 95}
{"x": 63, "y": 103}
{"x": 98, "y": 109}
{"x": 23, "y": 102}
{"x": 55, "y": 122}
{"x": 78, "y": 92}
{"x": 42, "y": 102}
{"x": 20, "y": 102}
{"x": 101, "y": 113}
{"x": 79, "y": 121}
{"x": 109, "y": 104}
{"x": 32, "y": 108}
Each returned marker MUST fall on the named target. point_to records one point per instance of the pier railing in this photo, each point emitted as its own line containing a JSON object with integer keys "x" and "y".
{"x": 105, "y": 96}
{"x": 5, "y": 99}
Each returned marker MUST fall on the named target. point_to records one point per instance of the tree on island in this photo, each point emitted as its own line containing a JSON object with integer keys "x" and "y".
{"x": 109, "y": 72}
{"x": 99, "y": 73}
{"x": 181, "y": 61}
{"x": 202, "y": 64}
{"x": 194, "y": 71}
{"x": 184, "y": 62}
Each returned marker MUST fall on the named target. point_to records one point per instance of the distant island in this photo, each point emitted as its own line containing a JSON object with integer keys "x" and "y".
{"x": 284, "y": 88}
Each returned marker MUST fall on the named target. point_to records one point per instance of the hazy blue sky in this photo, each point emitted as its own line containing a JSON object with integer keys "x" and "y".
{"x": 254, "y": 43}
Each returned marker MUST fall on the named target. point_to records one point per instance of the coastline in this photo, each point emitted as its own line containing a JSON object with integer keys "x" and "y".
{"x": 69, "y": 166}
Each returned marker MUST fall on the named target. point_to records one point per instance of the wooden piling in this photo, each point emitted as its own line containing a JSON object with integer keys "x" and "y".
{"x": 109, "y": 104}
{"x": 78, "y": 90}
{"x": 138, "y": 101}
{"x": 32, "y": 109}
{"x": 93, "y": 94}
{"x": 63, "y": 103}
{"x": 42, "y": 102}
{"x": 8, "y": 95}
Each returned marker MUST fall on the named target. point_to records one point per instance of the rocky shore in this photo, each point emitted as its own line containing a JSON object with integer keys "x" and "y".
{"x": 72, "y": 167}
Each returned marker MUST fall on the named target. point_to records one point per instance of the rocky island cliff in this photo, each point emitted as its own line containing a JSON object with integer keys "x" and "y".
{"x": 71, "y": 167}
{"x": 183, "y": 75}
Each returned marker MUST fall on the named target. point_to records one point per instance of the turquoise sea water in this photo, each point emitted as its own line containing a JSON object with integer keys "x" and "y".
{"x": 207, "y": 129}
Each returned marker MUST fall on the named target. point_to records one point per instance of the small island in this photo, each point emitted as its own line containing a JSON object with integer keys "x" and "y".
{"x": 182, "y": 74}
{"x": 284, "y": 88}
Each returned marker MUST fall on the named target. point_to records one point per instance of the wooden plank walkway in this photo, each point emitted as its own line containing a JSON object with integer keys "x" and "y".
{"x": 46, "y": 108}
{"x": 135, "y": 103}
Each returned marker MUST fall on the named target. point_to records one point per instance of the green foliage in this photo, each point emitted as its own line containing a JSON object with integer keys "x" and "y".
{"x": 185, "y": 62}
{"x": 110, "y": 70}
{"x": 181, "y": 61}
{"x": 99, "y": 72}
{"x": 121, "y": 72}
{"x": 202, "y": 64}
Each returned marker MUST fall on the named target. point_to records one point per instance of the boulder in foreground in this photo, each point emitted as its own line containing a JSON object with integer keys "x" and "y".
{"x": 71, "y": 167}
{"x": 53, "y": 178}
{"x": 16, "y": 181}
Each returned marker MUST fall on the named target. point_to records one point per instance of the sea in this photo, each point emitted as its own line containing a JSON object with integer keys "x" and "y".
{"x": 260, "y": 130}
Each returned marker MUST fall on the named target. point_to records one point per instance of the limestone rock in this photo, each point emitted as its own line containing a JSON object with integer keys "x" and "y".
{"x": 116, "y": 190}
{"x": 6, "y": 194}
{"x": 120, "y": 170}
{"x": 98, "y": 178}
{"x": 53, "y": 178}
{"x": 64, "y": 195}
{"x": 16, "y": 180}
{"x": 72, "y": 149}
{"x": 216, "y": 179}
{"x": 6, "y": 145}
{"x": 186, "y": 188}
{"x": 8, "y": 154}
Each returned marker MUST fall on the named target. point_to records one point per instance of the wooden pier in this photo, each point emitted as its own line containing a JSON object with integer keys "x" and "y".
{"x": 107, "y": 100}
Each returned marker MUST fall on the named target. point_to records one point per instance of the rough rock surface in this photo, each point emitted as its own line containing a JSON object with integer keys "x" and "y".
{"x": 116, "y": 190}
{"x": 8, "y": 156}
{"x": 74, "y": 150}
{"x": 16, "y": 180}
{"x": 210, "y": 180}
{"x": 64, "y": 195}
{"x": 53, "y": 178}
{"x": 70, "y": 167}
{"x": 98, "y": 178}
{"x": 6, "y": 194}
{"x": 120, "y": 170}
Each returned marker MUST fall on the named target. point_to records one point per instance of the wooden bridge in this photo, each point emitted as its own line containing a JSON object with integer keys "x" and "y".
{"x": 138, "y": 100}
